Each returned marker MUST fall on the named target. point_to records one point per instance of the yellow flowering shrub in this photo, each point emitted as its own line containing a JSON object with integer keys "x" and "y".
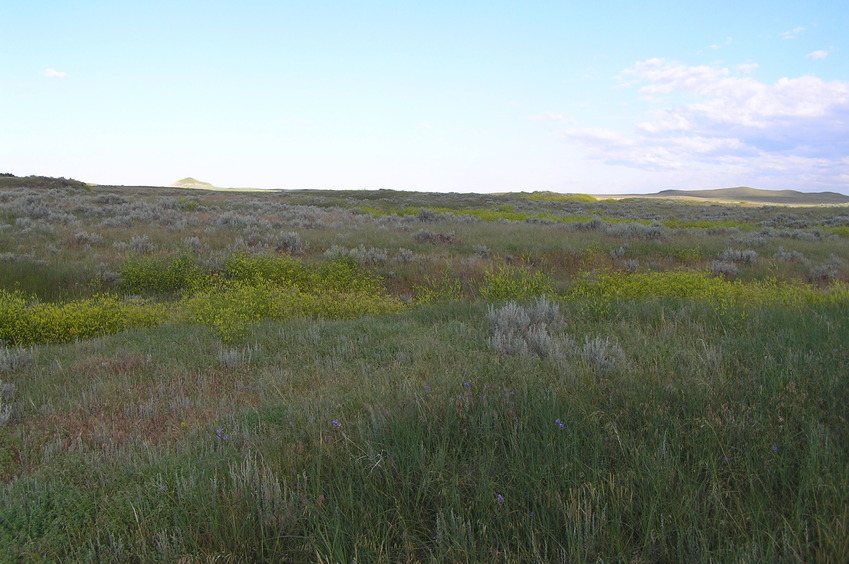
{"x": 340, "y": 275}
{"x": 26, "y": 321}
{"x": 514, "y": 283}
{"x": 156, "y": 274}
{"x": 446, "y": 288}
{"x": 231, "y": 307}
{"x": 602, "y": 289}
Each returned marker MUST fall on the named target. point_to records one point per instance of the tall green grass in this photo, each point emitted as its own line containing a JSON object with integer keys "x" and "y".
{"x": 53, "y": 282}
{"x": 713, "y": 441}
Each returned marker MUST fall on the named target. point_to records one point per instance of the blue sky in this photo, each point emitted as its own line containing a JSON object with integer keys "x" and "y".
{"x": 613, "y": 97}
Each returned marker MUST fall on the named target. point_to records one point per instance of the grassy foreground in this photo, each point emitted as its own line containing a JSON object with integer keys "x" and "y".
{"x": 234, "y": 403}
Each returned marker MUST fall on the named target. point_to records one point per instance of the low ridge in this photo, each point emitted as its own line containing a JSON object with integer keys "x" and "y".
{"x": 747, "y": 194}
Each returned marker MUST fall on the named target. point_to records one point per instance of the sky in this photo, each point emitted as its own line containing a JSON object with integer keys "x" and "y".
{"x": 603, "y": 97}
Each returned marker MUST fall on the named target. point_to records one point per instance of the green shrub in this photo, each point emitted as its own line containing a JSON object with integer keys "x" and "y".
{"x": 342, "y": 274}
{"x": 158, "y": 275}
{"x": 232, "y": 306}
{"x": 282, "y": 271}
{"x": 514, "y": 284}
{"x": 604, "y": 289}
{"x": 446, "y": 288}
{"x": 25, "y": 321}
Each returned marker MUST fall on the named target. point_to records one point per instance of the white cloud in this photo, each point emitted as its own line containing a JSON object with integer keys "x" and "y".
{"x": 795, "y": 126}
{"x": 550, "y": 117}
{"x": 793, "y": 33}
{"x": 53, "y": 73}
{"x": 748, "y": 67}
{"x": 726, "y": 43}
{"x": 425, "y": 125}
{"x": 816, "y": 55}
{"x": 666, "y": 77}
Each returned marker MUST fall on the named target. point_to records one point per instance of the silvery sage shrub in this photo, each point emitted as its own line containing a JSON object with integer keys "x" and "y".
{"x": 12, "y": 359}
{"x": 7, "y": 391}
{"x": 405, "y": 256}
{"x": 532, "y": 330}
{"x": 616, "y": 254}
{"x": 823, "y": 274}
{"x": 724, "y": 268}
{"x": 91, "y": 239}
{"x": 739, "y": 256}
{"x": 790, "y": 256}
{"x": 141, "y": 244}
{"x": 194, "y": 244}
{"x": 603, "y": 354}
{"x": 289, "y": 242}
{"x": 5, "y": 408}
{"x": 362, "y": 254}
{"x": 234, "y": 357}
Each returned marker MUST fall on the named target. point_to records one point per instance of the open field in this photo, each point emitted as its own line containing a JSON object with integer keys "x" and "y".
{"x": 381, "y": 376}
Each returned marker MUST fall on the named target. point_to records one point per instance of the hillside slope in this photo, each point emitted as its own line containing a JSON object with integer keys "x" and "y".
{"x": 190, "y": 182}
{"x": 746, "y": 194}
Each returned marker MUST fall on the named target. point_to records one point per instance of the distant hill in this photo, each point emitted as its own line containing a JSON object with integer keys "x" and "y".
{"x": 12, "y": 181}
{"x": 190, "y": 182}
{"x": 746, "y": 194}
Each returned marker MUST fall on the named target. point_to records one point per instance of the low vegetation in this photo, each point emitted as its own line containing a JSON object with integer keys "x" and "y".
{"x": 381, "y": 376}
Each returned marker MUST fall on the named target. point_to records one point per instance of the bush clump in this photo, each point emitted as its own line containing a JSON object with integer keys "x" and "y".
{"x": 603, "y": 354}
{"x": 823, "y": 274}
{"x": 25, "y": 321}
{"x": 14, "y": 359}
{"x": 532, "y": 330}
{"x": 434, "y": 238}
{"x": 790, "y": 256}
{"x": 747, "y": 256}
{"x": 158, "y": 275}
{"x": 231, "y": 306}
{"x": 342, "y": 274}
{"x": 724, "y": 268}
{"x": 514, "y": 284}
{"x": 362, "y": 254}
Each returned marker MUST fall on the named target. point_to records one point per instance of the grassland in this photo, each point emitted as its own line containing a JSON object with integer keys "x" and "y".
{"x": 383, "y": 376}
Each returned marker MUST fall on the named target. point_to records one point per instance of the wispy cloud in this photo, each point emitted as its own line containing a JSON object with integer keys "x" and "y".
{"x": 424, "y": 125}
{"x": 726, "y": 43}
{"x": 550, "y": 117}
{"x": 53, "y": 73}
{"x": 748, "y": 67}
{"x": 816, "y": 55}
{"x": 795, "y": 125}
{"x": 793, "y": 33}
